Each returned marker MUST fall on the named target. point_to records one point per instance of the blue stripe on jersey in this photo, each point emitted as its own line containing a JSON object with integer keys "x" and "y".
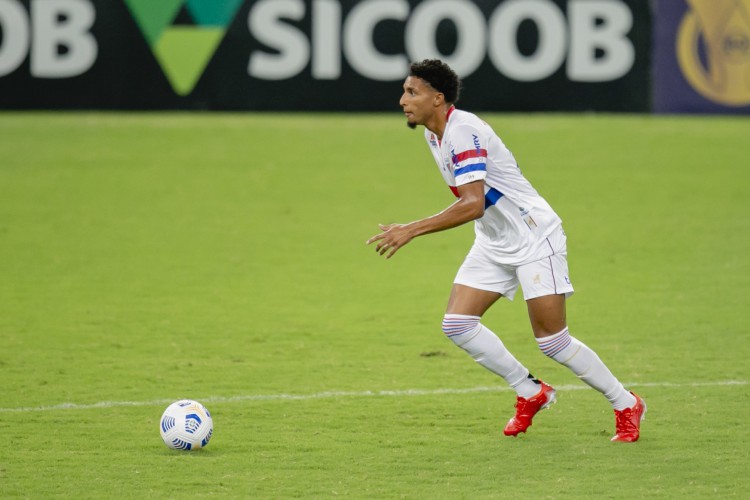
{"x": 470, "y": 168}
{"x": 492, "y": 197}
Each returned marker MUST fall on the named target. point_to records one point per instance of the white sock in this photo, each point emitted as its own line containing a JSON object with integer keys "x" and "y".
{"x": 584, "y": 362}
{"x": 489, "y": 351}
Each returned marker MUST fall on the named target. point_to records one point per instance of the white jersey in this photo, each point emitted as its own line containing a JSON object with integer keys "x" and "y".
{"x": 516, "y": 220}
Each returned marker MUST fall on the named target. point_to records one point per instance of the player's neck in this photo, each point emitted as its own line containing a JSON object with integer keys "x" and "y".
{"x": 439, "y": 120}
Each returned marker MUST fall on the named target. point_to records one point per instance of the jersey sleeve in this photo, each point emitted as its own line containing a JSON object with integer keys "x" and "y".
{"x": 468, "y": 156}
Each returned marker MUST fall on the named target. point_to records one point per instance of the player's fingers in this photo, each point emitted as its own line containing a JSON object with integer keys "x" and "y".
{"x": 375, "y": 238}
{"x": 393, "y": 247}
{"x": 384, "y": 246}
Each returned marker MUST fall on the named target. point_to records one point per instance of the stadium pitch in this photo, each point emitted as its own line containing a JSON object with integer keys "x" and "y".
{"x": 150, "y": 257}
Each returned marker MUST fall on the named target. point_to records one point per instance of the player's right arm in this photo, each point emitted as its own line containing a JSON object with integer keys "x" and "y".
{"x": 468, "y": 207}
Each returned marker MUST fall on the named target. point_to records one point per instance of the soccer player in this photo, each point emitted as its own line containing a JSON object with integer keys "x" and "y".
{"x": 519, "y": 241}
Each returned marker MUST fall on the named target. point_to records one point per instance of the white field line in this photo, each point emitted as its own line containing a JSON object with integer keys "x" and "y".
{"x": 347, "y": 394}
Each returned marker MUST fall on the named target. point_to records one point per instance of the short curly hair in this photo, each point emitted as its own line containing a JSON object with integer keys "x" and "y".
{"x": 440, "y": 76}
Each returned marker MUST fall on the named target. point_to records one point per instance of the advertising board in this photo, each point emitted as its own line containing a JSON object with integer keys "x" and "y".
{"x": 514, "y": 55}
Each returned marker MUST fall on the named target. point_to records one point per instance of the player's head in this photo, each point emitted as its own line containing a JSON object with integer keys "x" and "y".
{"x": 430, "y": 86}
{"x": 440, "y": 77}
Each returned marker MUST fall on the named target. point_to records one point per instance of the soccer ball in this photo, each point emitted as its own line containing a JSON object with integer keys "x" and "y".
{"x": 186, "y": 425}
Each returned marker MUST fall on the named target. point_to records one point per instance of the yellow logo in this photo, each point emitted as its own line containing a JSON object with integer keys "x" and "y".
{"x": 713, "y": 49}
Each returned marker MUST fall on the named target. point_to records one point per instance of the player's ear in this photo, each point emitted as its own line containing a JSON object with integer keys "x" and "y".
{"x": 439, "y": 99}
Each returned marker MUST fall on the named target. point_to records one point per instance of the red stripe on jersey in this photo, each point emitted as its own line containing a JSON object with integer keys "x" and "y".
{"x": 454, "y": 189}
{"x": 472, "y": 153}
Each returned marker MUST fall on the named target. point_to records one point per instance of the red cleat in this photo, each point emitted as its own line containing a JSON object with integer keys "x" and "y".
{"x": 527, "y": 408}
{"x": 628, "y": 421}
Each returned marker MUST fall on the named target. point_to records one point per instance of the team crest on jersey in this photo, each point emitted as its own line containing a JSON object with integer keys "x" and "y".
{"x": 433, "y": 140}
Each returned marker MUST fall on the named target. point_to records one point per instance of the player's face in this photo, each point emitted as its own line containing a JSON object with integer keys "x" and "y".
{"x": 418, "y": 101}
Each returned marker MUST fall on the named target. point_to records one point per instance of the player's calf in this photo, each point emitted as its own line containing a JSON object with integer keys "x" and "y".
{"x": 581, "y": 360}
{"x": 488, "y": 350}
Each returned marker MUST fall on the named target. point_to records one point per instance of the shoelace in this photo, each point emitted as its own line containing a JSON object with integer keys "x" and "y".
{"x": 625, "y": 421}
{"x": 522, "y": 406}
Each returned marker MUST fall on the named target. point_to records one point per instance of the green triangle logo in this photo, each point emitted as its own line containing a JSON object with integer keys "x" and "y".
{"x": 183, "y": 51}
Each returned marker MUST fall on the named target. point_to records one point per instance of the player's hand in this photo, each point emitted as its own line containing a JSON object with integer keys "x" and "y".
{"x": 392, "y": 237}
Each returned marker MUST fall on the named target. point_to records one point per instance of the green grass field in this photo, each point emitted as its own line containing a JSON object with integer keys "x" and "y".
{"x": 146, "y": 258}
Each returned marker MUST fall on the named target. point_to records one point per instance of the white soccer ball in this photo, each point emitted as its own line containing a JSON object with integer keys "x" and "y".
{"x": 186, "y": 425}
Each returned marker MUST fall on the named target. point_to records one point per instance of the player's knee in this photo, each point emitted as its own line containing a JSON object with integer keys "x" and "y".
{"x": 460, "y": 328}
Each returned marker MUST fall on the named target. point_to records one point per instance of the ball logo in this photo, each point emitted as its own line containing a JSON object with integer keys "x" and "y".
{"x": 183, "y": 51}
{"x": 713, "y": 49}
{"x": 192, "y": 422}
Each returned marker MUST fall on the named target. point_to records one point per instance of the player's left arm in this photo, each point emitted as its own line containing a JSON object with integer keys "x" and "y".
{"x": 468, "y": 207}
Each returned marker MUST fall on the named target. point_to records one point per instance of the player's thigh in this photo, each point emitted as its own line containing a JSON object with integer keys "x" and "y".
{"x": 547, "y": 315}
{"x": 470, "y": 301}
{"x": 479, "y": 283}
{"x": 546, "y": 285}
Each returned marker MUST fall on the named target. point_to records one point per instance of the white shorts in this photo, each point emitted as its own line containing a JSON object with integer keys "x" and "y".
{"x": 547, "y": 276}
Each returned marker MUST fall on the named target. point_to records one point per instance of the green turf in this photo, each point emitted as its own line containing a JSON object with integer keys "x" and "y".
{"x": 146, "y": 258}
